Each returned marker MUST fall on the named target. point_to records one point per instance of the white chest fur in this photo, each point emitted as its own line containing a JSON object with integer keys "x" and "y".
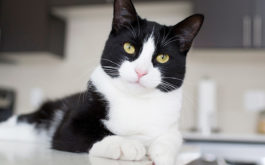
{"x": 141, "y": 116}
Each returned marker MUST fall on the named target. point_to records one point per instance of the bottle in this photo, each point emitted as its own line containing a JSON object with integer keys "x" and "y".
{"x": 207, "y": 106}
{"x": 261, "y": 123}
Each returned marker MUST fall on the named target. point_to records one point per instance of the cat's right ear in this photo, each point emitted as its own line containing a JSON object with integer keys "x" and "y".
{"x": 124, "y": 14}
{"x": 187, "y": 29}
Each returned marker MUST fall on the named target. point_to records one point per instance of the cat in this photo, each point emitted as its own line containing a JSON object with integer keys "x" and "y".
{"x": 133, "y": 100}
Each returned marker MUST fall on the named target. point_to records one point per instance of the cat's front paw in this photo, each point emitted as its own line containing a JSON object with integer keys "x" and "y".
{"x": 162, "y": 154}
{"x": 115, "y": 147}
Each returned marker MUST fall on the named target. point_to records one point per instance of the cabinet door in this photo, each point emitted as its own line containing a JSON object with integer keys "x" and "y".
{"x": 76, "y": 2}
{"x": 259, "y": 24}
{"x": 227, "y": 23}
{"x": 27, "y": 26}
{"x": 23, "y": 25}
{"x": 91, "y": 2}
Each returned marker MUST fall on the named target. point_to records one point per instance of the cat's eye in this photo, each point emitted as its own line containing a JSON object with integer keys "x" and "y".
{"x": 162, "y": 58}
{"x": 129, "y": 48}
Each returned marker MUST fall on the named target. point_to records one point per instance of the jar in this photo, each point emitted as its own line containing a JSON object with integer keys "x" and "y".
{"x": 261, "y": 123}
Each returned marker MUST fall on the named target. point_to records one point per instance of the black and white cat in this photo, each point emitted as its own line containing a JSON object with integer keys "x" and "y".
{"x": 133, "y": 100}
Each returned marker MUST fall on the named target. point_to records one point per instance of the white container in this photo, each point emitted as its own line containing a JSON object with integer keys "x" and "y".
{"x": 207, "y": 120}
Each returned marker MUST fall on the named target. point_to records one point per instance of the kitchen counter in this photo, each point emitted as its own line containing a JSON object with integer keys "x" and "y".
{"x": 227, "y": 138}
{"x": 234, "y": 148}
{"x": 228, "y": 147}
{"x": 14, "y": 153}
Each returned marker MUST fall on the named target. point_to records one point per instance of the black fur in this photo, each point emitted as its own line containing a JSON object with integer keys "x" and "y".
{"x": 43, "y": 117}
{"x": 81, "y": 125}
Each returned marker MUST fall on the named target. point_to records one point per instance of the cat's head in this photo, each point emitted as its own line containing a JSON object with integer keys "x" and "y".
{"x": 141, "y": 56}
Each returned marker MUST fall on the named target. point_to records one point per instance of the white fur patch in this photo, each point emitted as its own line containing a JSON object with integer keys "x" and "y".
{"x": 128, "y": 69}
{"x": 150, "y": 118}
{"x": 58, "y": 116}
{"x": 119, "y": 148}
{"x": 138, "y": 116}
{"x": 11, "y": 130}
{"x": 101, "y": 161}
{"x": 164, "y": 149}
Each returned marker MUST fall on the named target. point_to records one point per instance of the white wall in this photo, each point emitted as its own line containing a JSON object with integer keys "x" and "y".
{"x": 234, "y": 70}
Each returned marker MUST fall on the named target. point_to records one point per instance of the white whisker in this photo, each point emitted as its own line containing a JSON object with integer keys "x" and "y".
{"x": 174, "y": 78}
{"x": 111, "y": 61}
{"x": 170, "y": 41}
{"x": 166, "y": 36}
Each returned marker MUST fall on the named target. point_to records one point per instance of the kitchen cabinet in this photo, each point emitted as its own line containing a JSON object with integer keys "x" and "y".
{"x": 57, "y": 3}
{"x": 231, "y": 24}
{"x": 76, "y": 2}
{"x": 259, "y": 24}
{"x": 27, "y": 26}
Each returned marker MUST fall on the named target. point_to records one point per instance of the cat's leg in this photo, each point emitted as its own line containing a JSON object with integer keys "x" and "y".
{"x": 102, "y": 161}
{"x": 119, "y": 148}
{"x": 13, "y": 130}
{"x": 9, "y": 130}
{"x": 164, "y": 149}
{"x": 36, "y": 127}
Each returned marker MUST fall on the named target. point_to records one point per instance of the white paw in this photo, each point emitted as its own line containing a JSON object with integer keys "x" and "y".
{"x": 104, "y": 161}
{"x": 132, "y": 150}
{"x": 115, "y": 147}
{"x": 109, "y": 147}
{"x": 162, "y": 154}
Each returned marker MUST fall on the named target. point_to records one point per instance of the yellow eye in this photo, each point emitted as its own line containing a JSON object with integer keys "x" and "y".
{"x": 162, "y": 58}
{"x": 129, "y": 48}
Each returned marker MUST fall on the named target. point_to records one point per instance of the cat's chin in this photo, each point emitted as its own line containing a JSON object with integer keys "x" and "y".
{"x": 139, "y": 86}
{"x": 133, "y": 87}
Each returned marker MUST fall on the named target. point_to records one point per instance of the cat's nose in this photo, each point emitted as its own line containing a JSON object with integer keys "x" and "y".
{"x": 140, "y": 73}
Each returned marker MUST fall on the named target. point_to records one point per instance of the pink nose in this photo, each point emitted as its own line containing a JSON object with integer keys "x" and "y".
{"x": 140, "y": 73}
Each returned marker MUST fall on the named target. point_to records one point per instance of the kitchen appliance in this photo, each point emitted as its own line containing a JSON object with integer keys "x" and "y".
{"x": 7, "y": 103}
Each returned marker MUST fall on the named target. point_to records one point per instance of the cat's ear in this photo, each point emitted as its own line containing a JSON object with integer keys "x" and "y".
{"x": 124, "y": 14}
{"x": 187, "y": 29}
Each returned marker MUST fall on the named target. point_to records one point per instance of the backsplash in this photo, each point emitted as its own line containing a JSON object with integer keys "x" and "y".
{"x": 235, "y": 72}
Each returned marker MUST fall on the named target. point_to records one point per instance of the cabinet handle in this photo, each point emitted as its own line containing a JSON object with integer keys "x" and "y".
{"x": 109, "y": 1}
{"x": 246, "y": 31}
{"x": 257, "y": 31}
{"x": 0, "y": 35}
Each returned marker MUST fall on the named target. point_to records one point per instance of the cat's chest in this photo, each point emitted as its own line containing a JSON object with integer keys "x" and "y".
{"x": 130, "y": 116}
{"x": 142, "y": 115}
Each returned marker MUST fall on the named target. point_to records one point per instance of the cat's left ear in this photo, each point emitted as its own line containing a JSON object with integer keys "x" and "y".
{"x": 124, "y": 14}
{"x": 187, "y": 30}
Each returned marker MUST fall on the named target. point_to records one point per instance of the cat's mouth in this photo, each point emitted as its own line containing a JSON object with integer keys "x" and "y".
{"x": 138, "y": 83}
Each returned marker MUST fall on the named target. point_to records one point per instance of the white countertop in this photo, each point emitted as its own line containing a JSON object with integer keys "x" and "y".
{"x": 233, "y": 147}
{"x": 247, "y": 138}
{"x": 14, "y": 153}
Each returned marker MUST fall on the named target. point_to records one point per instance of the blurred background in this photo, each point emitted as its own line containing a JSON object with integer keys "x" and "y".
{"x": 48, "y": 49}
